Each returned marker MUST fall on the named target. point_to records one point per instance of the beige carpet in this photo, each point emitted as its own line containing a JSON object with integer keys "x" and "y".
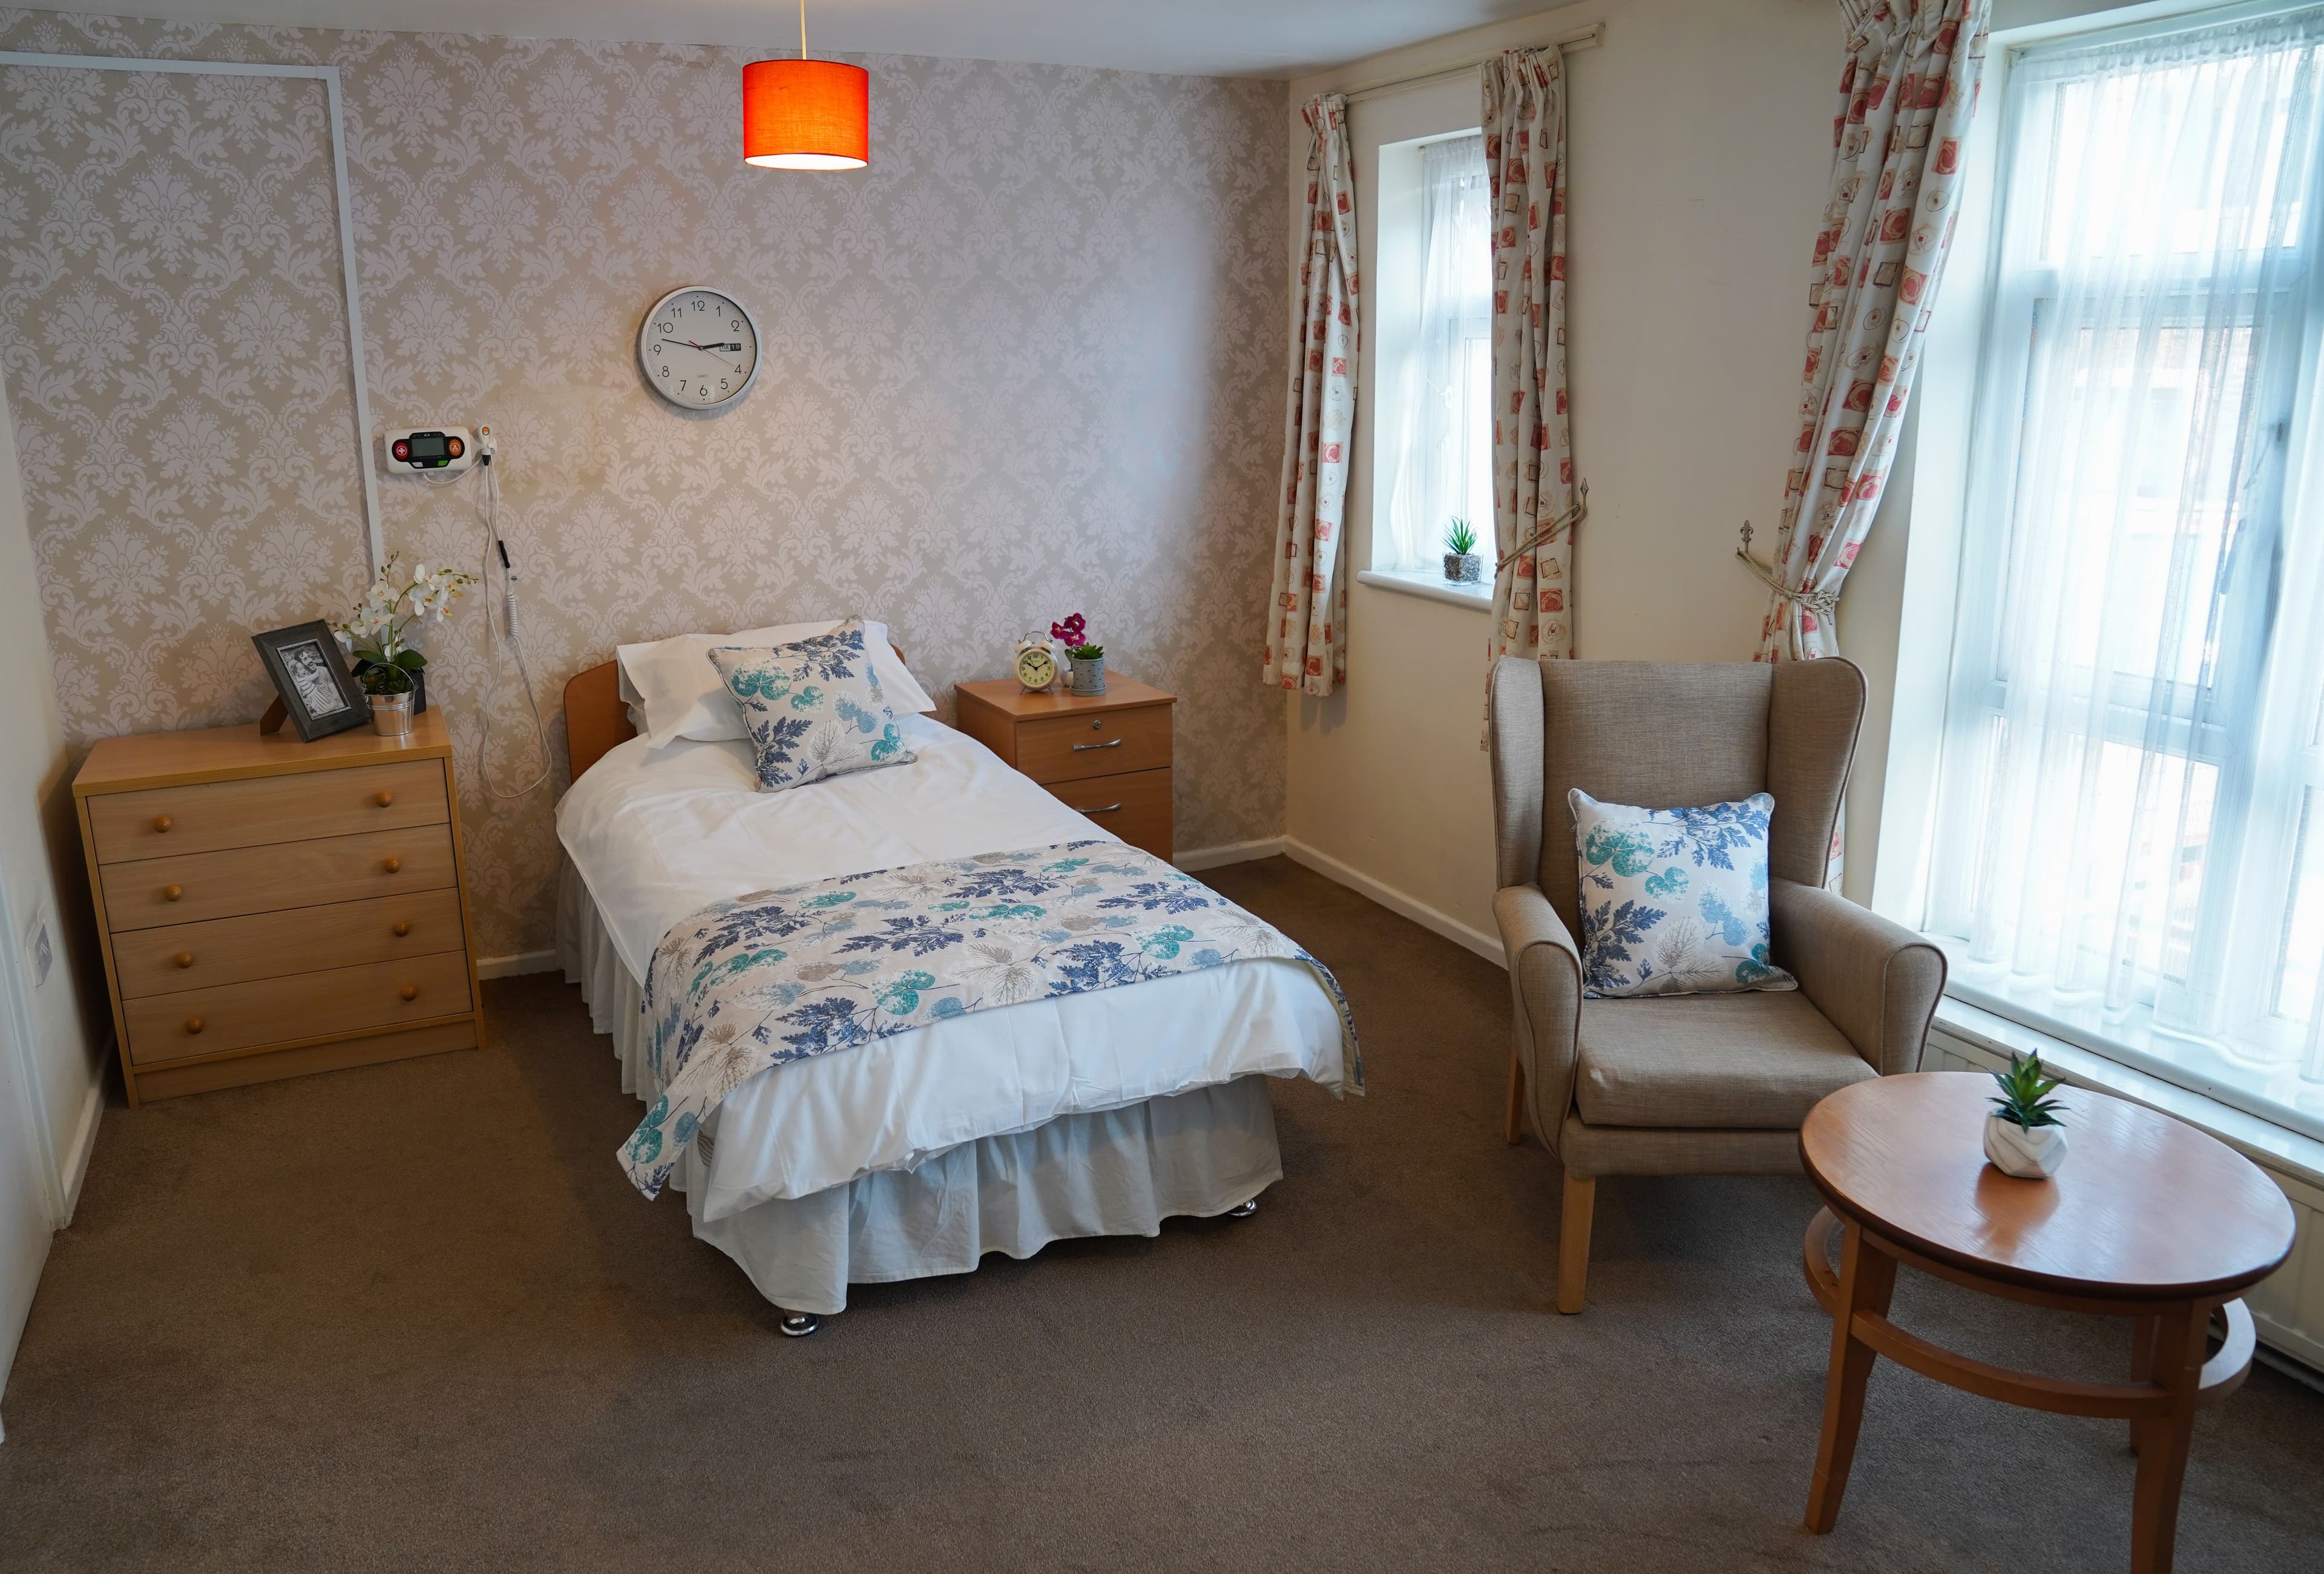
{"x": 412, "y": 1316}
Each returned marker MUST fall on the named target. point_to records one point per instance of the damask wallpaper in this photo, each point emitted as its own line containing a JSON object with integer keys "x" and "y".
{"x": 1025, "y": 364}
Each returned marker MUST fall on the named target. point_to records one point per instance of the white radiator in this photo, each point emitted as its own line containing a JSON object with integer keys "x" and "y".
{"x": 2288, "y": 1306}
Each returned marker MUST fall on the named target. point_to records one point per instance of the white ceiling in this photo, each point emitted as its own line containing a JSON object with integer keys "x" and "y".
{"x": 1226, "y": 38}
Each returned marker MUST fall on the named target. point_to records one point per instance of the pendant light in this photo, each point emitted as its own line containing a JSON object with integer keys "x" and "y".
{"x": 806, "y": 115}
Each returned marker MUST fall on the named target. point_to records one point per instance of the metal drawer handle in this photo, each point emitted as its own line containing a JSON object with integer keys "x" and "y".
{"x": 193, "y": 1025}
{"x": 384, "y": 799}
{"x": 1110, "y": 744}
{"x": 409, "y": 992}
{"x": 391, "y": 865}
{"x": 184, "y": 958}
{"x": 401, "y": 927}
{"x": 1108, "y": 809}
{"x": 172, "y": 893}
{"x": 161, "y": 822}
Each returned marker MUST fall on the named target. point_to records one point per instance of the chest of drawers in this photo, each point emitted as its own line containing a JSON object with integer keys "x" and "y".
{"x": 271, "y": 908}
{"x": 1105, "y": 755}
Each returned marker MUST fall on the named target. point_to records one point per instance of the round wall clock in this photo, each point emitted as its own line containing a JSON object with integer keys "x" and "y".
{"x": 1036, "y": 667}
{"x": 699, "y": 348}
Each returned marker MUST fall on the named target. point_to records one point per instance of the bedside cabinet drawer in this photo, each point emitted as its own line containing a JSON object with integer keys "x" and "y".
{"x": 152, "y": 892}
{"x": 236, "y": 1016}
{"x": 296, "y": 939}
{"x": 166, "y": 821}
{"x": 1134, "y": 807}
{"x": 1066, "y": 748}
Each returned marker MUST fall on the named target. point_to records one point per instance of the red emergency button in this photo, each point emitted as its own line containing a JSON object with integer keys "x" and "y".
{"x": 402, "y": 450}
{"x": 455, "y": 446}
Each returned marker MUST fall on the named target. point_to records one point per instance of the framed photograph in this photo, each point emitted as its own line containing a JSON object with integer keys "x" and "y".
{"x": 311, "y": 676}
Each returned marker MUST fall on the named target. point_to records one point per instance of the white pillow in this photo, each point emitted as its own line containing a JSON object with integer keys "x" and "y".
{"x": 813, "y": 709}
{"x": 1674, "y": 901}
{"x": 673, "y": 692}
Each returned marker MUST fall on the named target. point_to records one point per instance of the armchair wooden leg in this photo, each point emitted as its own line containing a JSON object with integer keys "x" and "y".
{"x": 1513, "y": 1117}
{"x": 1574, "y": 1242}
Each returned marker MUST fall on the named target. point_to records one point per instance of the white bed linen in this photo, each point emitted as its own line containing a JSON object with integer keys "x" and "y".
{"x": 654, "y": 837}
{"x": 1108, "y": 1172}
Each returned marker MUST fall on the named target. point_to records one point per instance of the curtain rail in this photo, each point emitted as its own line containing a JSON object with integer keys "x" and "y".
{"x": 1583, "y": 38}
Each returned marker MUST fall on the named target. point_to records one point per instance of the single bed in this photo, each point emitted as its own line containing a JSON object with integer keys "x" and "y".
{"x": 913, "y": 1155}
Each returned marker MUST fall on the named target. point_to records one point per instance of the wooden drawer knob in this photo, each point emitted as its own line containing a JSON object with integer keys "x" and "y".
{"x": 392, "y": 865}
{"x": 184, "y": 958}
{"x": 384, "y": 799}
{"x": 172, "y": 893}
{"x": 409, "y": 992}
{"x": 401, "y": 927}
{"x": 193, "y": 1025}
{"x": 161, "y": 822}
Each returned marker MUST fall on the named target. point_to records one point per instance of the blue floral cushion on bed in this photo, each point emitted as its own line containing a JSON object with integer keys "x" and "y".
{"x": 811, "y": 710}
{"x": 1674, "y": 901}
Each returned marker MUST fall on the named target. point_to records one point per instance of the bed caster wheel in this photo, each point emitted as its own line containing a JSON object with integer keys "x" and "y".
{"x": 797, "y": 1325}
{"x": 1243, "y": 1211}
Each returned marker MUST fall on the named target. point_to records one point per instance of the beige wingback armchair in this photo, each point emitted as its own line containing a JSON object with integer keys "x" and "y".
{"x": 1689, "y": 1084}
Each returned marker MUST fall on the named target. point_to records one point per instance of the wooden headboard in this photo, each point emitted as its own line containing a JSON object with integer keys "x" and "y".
{"x": 595, "y": 719}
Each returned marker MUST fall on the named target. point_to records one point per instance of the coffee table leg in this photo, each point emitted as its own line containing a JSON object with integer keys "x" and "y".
{"x": 2142, "y": 1361}
{"x": 2177, "y": 1364}
{"x": 1867, "y": 1277}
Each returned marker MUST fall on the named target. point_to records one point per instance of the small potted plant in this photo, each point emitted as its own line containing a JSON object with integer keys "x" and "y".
{"x": 379, "y": 632}
{"x": 1088, "y": 660}
{"x": 2024, "y": 1136}
{"x": 1463, "y": 566}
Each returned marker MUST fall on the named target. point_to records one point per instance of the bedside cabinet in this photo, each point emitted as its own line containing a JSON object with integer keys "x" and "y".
{"x": 1107, "y": 755}
{"x": 271, "y": 908}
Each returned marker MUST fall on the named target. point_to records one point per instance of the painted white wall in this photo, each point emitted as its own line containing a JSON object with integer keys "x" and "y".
{"x": 1699, "y": 135}
{"x": 50, "y": 1028}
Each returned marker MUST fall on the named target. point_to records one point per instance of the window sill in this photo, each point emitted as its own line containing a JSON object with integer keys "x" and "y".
{"x": 1429, "y": 587}
{"x": 2274, "y": 1146}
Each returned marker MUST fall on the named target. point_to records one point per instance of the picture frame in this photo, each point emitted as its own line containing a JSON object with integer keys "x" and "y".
{"x": 317, "y": 692}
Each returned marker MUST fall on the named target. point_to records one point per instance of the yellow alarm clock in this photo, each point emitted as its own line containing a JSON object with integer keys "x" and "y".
{"x": 1036, "y": 667}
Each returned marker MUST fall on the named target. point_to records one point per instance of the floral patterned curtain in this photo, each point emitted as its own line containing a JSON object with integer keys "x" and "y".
{"x": 1306, "y": 647}
{"x": 1532, "y": 449}
{"x": 1907, "y": 90}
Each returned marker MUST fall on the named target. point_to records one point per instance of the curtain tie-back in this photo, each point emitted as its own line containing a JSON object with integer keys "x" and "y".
{"x": 1826, "y": 602}
{"x": 1543, "y": 534}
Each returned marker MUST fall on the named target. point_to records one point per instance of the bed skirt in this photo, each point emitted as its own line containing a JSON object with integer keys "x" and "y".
{"x": 1106, "y": 1172}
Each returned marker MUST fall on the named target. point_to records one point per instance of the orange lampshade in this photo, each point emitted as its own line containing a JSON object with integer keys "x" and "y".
{"x": 806, "y": 115}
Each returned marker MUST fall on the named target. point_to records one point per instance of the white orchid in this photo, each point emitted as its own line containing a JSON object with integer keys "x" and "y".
{"x": 378, "y": 627}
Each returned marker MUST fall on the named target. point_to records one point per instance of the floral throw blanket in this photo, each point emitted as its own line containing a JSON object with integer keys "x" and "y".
{"x": 782, "y": 976}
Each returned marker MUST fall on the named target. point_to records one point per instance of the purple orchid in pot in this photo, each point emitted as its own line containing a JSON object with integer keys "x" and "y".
{"x": 1088, "y": 660}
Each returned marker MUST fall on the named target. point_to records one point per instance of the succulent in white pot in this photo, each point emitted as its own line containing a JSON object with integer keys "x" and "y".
{"x": 2024, "y": 1136}
{"x": 1463, "y": 566}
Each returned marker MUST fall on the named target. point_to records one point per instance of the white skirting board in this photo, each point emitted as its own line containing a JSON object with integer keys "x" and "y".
{"x": 2287, "y": 1307}
{"x": 521, "y": 962}
{"x": 1461, "y": 934}
{"x": 1196, "y": 858}
{"x": 72, "y": 1163}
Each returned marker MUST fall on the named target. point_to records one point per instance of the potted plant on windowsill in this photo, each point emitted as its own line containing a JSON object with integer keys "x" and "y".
{"x": 379, "y": 632}
{"x": 1088, "y": 660}
{"x": 2024, "y": 1136}
{"x": 1463, "y": 566}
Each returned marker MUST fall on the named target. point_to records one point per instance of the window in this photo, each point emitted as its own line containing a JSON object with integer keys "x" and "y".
{"x": 1440, "y": 412}
{"x": 2129, "y": 846}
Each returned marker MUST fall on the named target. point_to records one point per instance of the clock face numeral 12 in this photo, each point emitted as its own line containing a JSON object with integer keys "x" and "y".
{"x": 698, "y": 348}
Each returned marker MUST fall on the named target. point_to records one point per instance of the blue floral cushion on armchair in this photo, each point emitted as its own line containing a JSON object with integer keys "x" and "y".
{"x": 813, "y": 708}
{"x": 1674, "y": 901}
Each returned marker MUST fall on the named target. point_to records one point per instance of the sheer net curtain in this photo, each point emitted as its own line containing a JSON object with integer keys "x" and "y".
{"x": 1445, "y": 468}
{"x": 2130, "y": 845}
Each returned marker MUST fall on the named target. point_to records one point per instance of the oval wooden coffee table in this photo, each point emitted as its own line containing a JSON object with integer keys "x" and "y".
{"x": 2149, "y": 1219}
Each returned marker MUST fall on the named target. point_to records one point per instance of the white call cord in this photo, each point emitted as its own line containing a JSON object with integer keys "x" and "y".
{"x": 488, "y": 502}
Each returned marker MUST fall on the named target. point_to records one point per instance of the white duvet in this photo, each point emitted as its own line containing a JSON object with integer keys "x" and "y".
{"x": 658, "y": 836}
